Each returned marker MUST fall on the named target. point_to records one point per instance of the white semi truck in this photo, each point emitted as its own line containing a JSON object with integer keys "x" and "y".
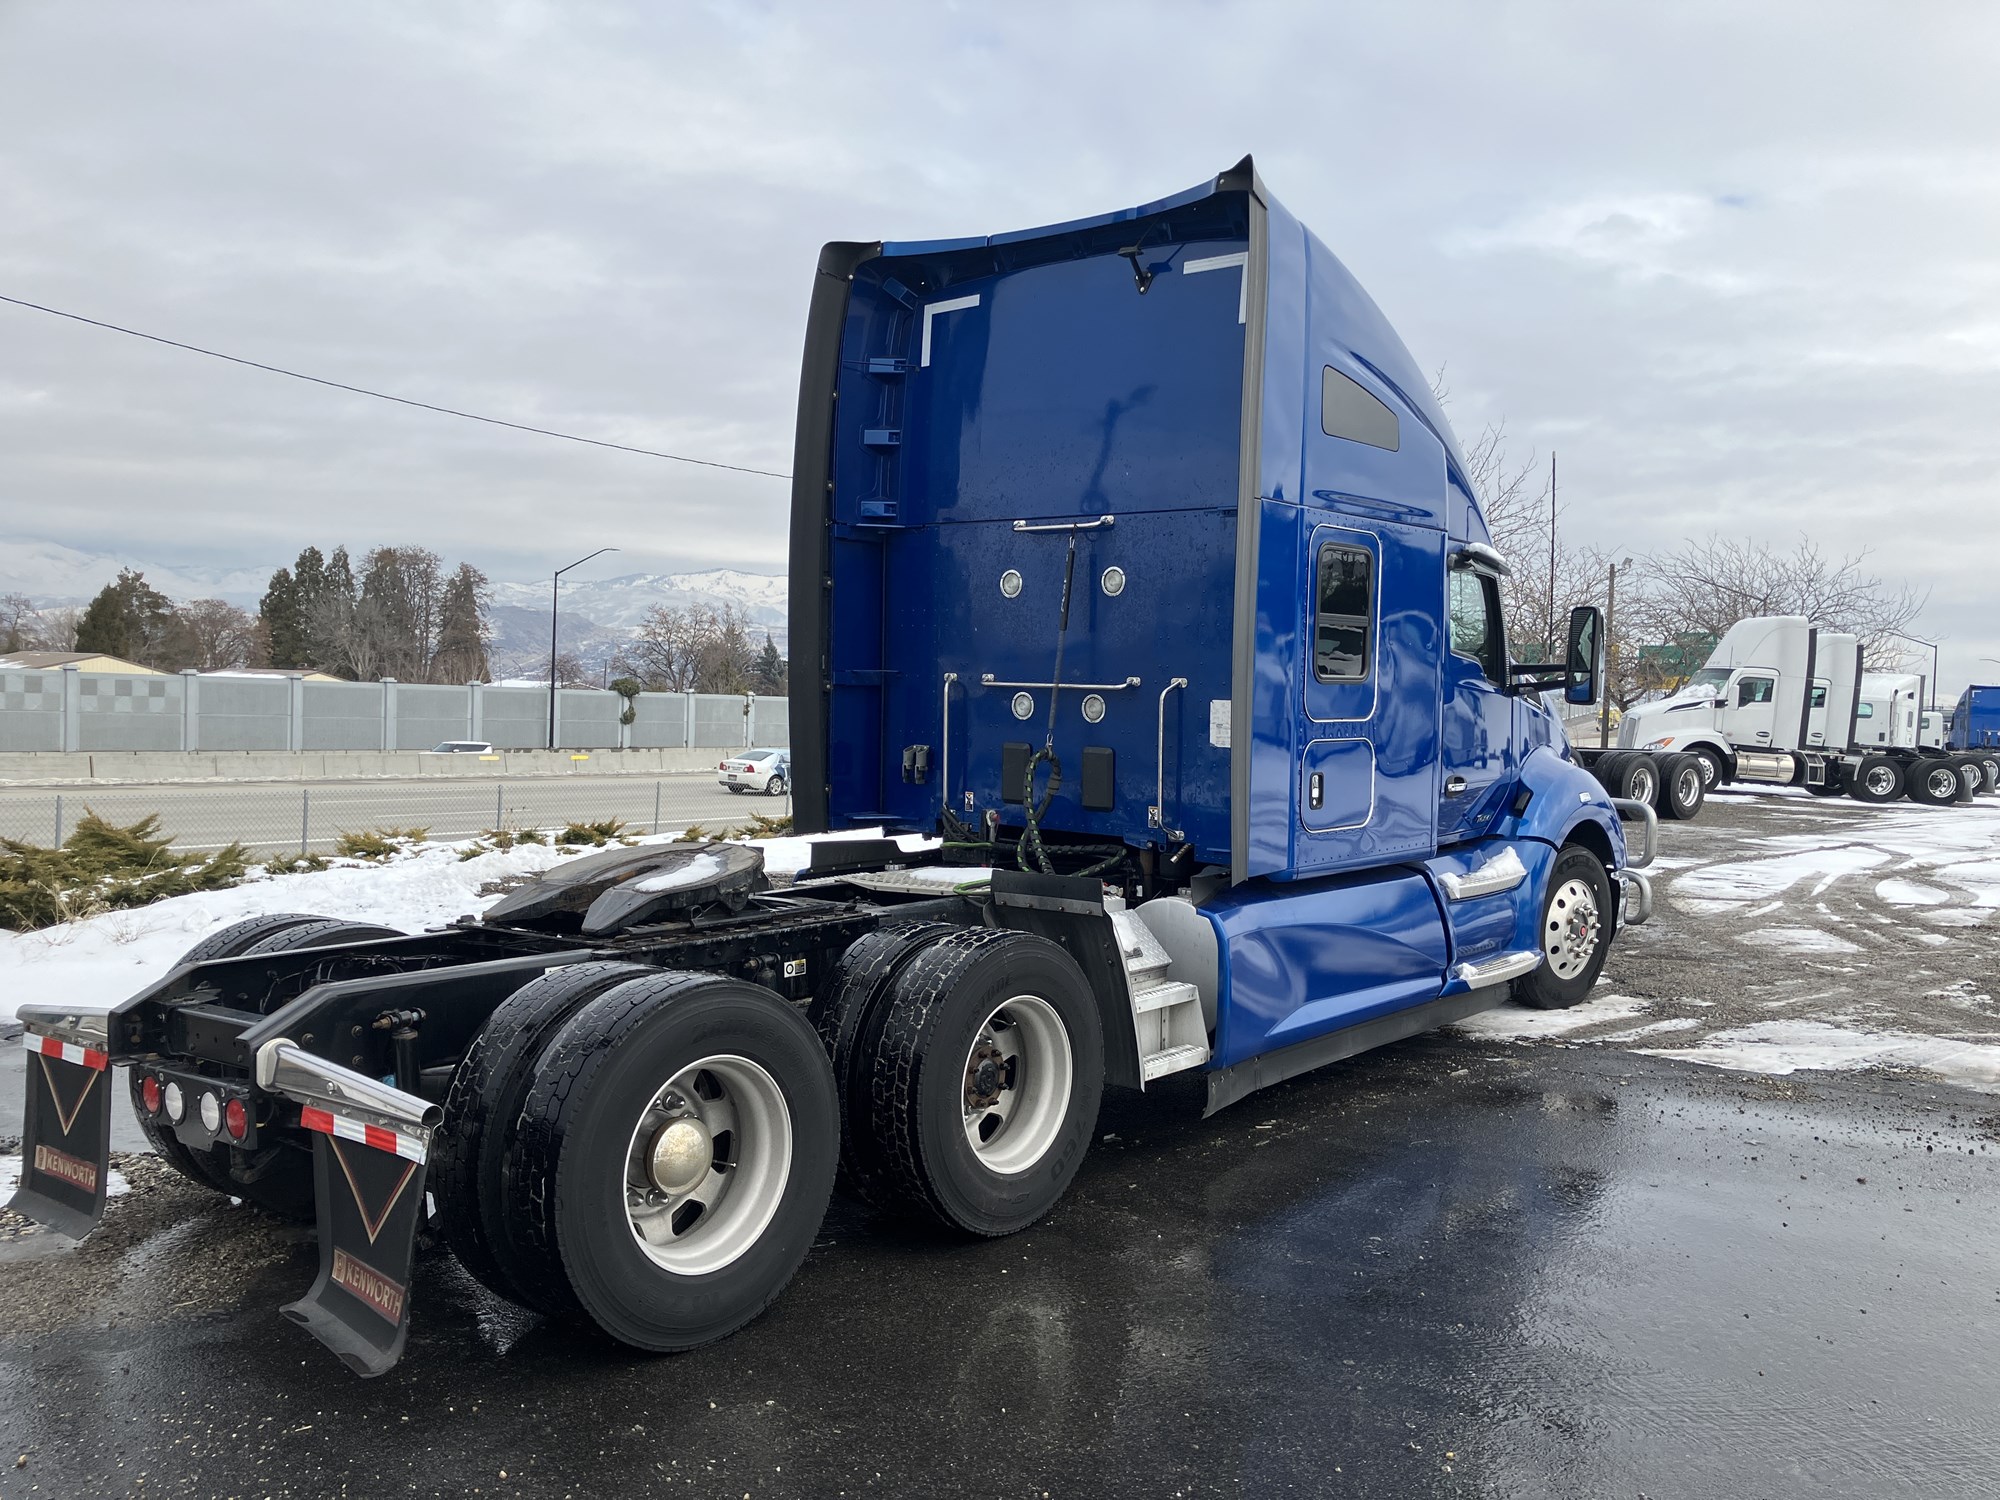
{"x": 1783, "y": 702}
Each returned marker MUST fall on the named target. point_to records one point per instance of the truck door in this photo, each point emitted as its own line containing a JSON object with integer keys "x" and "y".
{"x": 1478, "y": 758}
{"x": 1753, "y": 709}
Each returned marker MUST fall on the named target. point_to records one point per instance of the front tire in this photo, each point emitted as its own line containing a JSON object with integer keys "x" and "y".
{"x": 986, "y": 1082}
{"x": 1711, "y": 764}
{"x": 1575, "y": 932}
{"x": 674, "y": 1159}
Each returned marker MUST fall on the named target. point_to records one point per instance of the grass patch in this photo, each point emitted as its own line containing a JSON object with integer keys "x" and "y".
{"x": 105, "y": 867}
{"x": 694, "y": 833}
{"x": 761, "y": 827}
{"x": 378, "y": 844}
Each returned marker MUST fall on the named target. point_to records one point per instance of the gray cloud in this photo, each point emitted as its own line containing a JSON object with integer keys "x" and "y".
{"x": 1735, "y": 263}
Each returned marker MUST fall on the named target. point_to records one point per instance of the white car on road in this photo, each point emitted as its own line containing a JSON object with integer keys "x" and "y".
{"x": 766, "y": 771}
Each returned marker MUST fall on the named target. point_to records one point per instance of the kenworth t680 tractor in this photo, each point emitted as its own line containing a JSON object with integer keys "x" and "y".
{"x": 1132, "y": 564}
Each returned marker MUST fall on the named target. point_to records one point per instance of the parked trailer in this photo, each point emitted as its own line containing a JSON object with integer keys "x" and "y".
{"x": 1132, "y": 560}
{"x": 1975, "y": 722}
{"x": 1781, "y": 701}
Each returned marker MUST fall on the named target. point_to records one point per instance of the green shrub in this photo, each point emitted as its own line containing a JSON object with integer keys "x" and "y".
{"x": 761, "y": 827}
{"x": 377, "y": 844}
{"x": 105, "y": 867}
{"x": 295, "y": 864}
{"x": 597, "y": 834}
{"x": 694, "y": 833}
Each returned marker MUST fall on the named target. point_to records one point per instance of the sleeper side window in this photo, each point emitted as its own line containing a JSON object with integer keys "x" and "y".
{"x": 1754, "y": 690}
{"x": 1864, "y": 710}
{"x": 1475, "y": 621}
{"x": 1344, "y": 614}
{"x": 1347, "y": 409}
{"x": 1819, "y": 696}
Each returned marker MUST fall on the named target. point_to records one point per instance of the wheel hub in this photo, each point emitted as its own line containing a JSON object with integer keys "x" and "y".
{"x": 985, "y": 1075}
{"x": 680, "y": 1156}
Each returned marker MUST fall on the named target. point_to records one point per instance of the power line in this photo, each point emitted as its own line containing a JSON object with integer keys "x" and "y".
{"x": 470, "y": 416}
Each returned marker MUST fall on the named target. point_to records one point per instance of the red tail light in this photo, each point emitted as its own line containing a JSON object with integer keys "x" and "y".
{"x": 236, "y": 1119}
{"x": 149, "y": 1094}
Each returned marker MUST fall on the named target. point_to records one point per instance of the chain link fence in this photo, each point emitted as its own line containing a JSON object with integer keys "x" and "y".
{"x": 271, "y": 818}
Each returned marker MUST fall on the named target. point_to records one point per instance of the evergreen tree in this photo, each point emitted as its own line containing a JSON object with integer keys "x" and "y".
{"x": 284, "y": 629}
{"x": 769, "y": 674}
{"x": 461, "y": 652}
{"x": 128, "y": 618}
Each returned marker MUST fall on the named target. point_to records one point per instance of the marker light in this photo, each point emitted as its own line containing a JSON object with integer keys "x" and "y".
{"x": 149, "y": 1094}
{"x": 237, "y": 1118}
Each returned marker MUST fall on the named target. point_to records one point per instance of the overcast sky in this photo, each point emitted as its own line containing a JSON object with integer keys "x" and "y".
{"x": 1738, "y": 264}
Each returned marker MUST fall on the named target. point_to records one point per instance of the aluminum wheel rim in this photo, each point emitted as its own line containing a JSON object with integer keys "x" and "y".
{"x": 1880, "y": 780}
{"x": 1707, "y": 768}
{"x": 1644, "y": 787}
{"x": 1569, "y": 931}
{"x": 1690, "y": 784}
{"x": 692, "y": 1213}
{"x": 1944, "y": 782}
{"x": 1016, "y": 1085}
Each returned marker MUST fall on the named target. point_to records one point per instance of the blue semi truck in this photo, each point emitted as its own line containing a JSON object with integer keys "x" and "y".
{"x": 1135, "y": 567}
{"x": 1975, "y": 720}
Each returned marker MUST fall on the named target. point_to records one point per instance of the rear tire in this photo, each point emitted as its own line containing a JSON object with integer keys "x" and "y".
{"x": 1639, "y": 779}
{"x": 985, "y": 1085}
{"x": 1682, "y": 790}
{"x": 1934, "y": 783}
{"x": 847, "y": 1014}
{"x": 1575, "y": 932}
{"x": 775, "y": 787}
{"x": 674, "y": 1160}
{"x": 1991, "y": 767}
{"x": 482, "y": 1109}
{"x": 1879, "y": 779}
{"x": 1608, "y": 767}
{"x": 1971, "y": 777}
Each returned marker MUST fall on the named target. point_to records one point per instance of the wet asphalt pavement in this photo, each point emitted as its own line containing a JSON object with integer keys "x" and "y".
{"x": 1451, "y": 1268}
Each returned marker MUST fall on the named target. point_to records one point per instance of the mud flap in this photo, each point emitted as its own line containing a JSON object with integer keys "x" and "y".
{"x": 66, "y": 1139}
{"x": 370, "y": 1187}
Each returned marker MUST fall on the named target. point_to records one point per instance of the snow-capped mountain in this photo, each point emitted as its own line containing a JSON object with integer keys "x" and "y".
{"x": 54, "y": 576}
{"x": 598, "y": 614}
{"x": 621, "y": 603}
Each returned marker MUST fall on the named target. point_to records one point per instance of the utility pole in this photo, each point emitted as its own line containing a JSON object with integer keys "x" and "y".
{"x": 555, "y": 598}
{"x": 1610, "y": 637}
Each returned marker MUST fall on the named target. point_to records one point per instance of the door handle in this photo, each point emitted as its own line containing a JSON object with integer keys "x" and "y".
{"x": 1453, "y": 785}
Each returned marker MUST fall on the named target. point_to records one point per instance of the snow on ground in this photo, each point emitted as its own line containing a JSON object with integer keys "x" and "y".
{"x": 1795, "y": 933}
{"x": 105, "y": 959}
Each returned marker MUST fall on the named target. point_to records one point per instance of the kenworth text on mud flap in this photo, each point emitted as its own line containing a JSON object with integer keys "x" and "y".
{"x": 1131, "y": 561}
{"x": 1782, "y": 702}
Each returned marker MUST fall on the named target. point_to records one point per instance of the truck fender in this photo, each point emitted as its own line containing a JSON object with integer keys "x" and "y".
{"x": 1557, "y": 802}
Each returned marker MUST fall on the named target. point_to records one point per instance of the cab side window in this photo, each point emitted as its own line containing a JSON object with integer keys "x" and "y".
{"x": 1819, "y": 696}
{"x": 1754, "y": 690}
{"x": 1475, "y": 622}
{"x": 1344, "y": 615}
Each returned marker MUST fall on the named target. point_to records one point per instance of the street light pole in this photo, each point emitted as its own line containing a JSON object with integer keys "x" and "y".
{"x": 1916, "y": 641}
{"x": 555, "y": 599}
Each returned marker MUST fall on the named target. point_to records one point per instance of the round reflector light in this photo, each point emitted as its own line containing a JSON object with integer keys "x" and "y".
{"x": 177, "y": 1106}
{"x": 149, "y": 1094}
{"x": 211, "y": 1113}
{"x": 237, "y": 1118}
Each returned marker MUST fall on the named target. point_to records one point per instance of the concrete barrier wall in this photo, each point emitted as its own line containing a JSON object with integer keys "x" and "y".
{"x": 26, "y": 768}
{"x": 188, "y": 712}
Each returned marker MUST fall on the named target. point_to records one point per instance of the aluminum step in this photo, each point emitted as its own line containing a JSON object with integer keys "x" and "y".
{"x": 1173, "y": 1060}
{"x": 1160, "y": 996}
